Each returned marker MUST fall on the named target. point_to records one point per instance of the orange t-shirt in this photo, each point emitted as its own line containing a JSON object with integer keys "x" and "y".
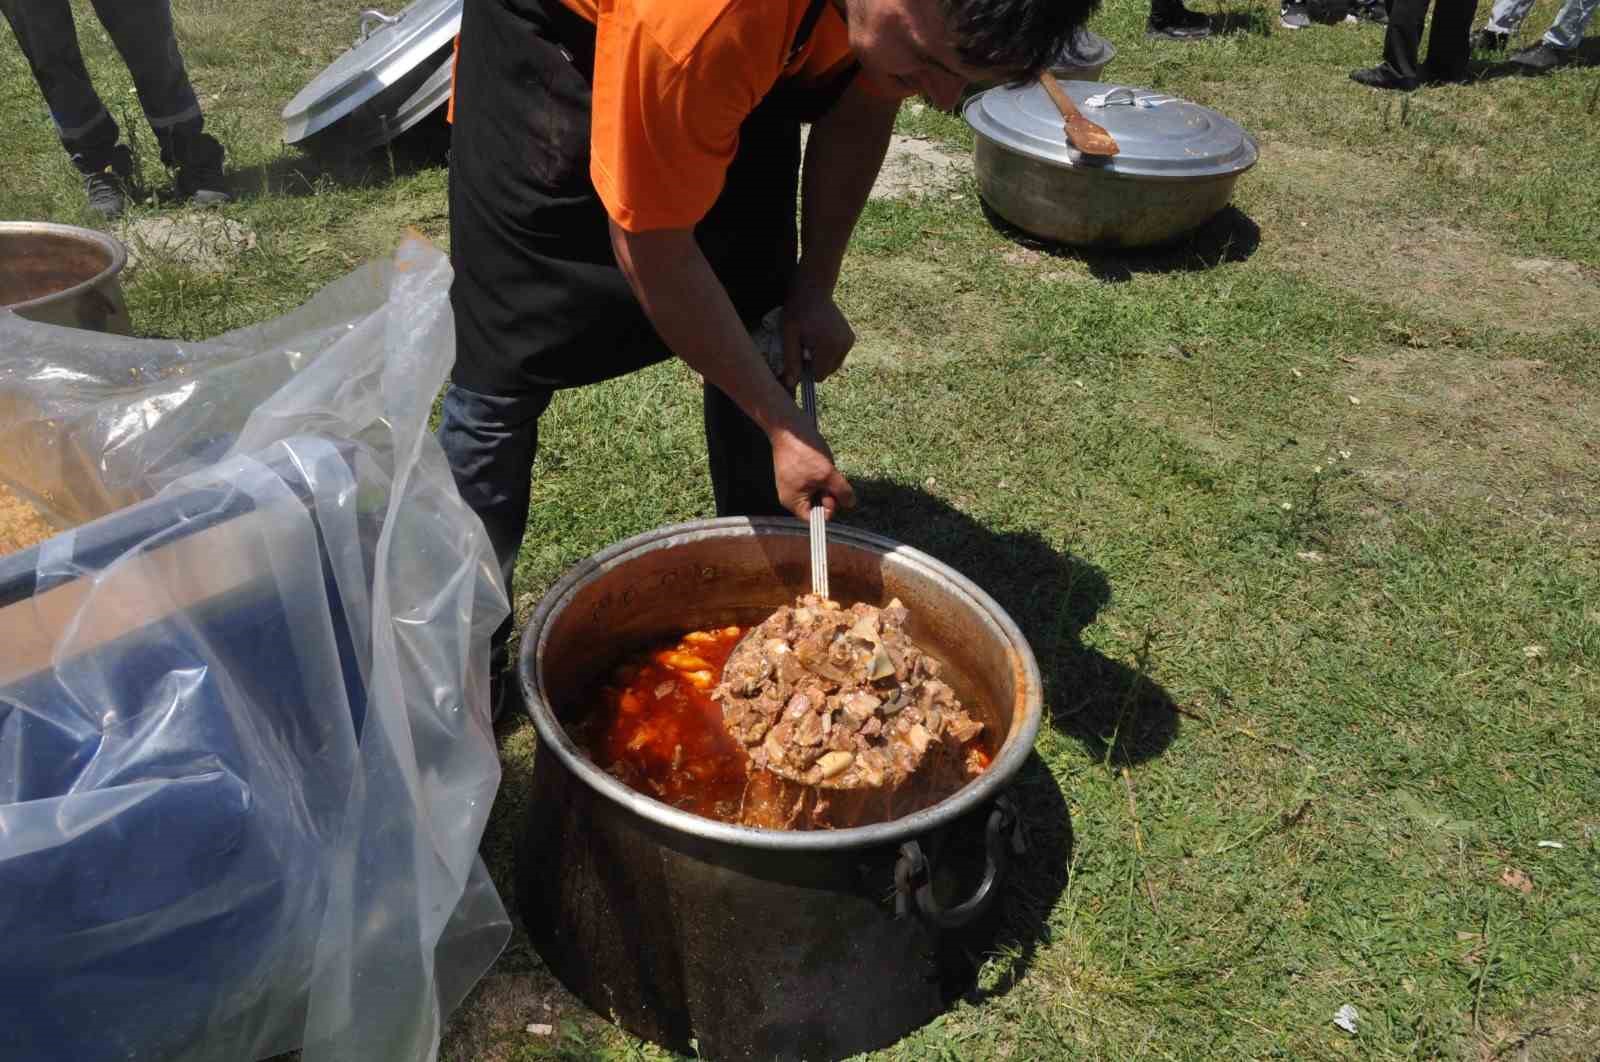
{"x": 673, "y": 82}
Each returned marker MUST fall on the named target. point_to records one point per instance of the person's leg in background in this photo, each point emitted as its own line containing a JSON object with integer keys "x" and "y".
{"x": 1170, "y": 19}
{"x": 1559, "y": 45}
{"x": 49, "y": 42}
{"x": 1401, "y": 40}
{"x": 1504, "y": 19}
{"x": 144, "y": 34}
{"x": 490, "y": 442}
{"x": 1567, "y": 29}
{"x": 1449, "y": 41}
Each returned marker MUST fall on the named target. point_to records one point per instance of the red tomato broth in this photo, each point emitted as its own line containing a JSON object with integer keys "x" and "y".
{"x": 656, "y": 729}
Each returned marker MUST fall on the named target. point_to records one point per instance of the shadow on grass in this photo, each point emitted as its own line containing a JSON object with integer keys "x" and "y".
{"x": 1230, "y": 236}
{"x": 307, "y": 169}
{"x": 1115, "y": 711}
{"x": 1588, "y": 55}
{"x": 1037, "y": 877}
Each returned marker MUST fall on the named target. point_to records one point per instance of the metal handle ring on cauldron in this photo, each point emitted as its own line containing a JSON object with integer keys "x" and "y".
{"x": 913, "y": 872}
{"x": 372, "y": 15}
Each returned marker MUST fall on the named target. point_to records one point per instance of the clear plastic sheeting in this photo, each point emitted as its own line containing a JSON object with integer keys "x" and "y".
{"x": 245, "y": 749}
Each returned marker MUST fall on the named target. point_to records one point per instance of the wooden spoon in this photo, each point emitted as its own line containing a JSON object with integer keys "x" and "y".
{"x": 1086, "y": 136}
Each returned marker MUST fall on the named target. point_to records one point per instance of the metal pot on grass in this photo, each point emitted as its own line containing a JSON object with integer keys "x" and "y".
{"x": 63, "y": 275}
{"x": 1177, "y": 167}
{"x": 753, "y": 943}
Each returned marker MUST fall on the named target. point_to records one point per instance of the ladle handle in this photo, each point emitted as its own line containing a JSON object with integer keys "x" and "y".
{"x": 1088, "y": 137}
{"x": 818, "y": 520}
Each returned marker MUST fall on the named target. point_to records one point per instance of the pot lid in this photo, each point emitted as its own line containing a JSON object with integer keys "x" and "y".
{"x": 1086, "y": 48}
{"x": 1160, "y": 135}
{"x": 387, "y": 48}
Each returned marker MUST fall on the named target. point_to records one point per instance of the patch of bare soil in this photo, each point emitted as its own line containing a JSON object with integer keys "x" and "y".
{"x": 918, "y": 167}
{"x": 1344, "y": 231}
{"x": 203, "y": 240}
{"x": 1565, "y": 1032}
{"x": 1436, "y": 427}
{"x": 508, "y": 1012}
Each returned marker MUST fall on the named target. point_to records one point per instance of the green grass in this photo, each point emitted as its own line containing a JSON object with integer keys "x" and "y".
{"x": 1300, "y": 518}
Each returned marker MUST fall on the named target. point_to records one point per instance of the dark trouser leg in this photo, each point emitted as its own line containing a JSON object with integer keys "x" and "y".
{"x": 740, "y": 460}
{"x": 49, "y": 41}
{"x": 143, "y": 32}
{"x": 1403, "y": 38}
{"x": 490, "y": 442}
{"x": 1450, "y": 40}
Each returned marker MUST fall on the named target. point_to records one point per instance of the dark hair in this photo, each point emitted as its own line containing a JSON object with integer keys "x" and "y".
{"x": 1021, "y": 38}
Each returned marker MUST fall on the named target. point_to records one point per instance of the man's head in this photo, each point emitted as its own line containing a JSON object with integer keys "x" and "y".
{"x": 936, "y": 48}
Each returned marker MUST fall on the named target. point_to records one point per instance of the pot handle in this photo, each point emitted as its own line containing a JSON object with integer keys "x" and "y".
{"x": 913, "y": 872}
{"x": 373, "y": 17}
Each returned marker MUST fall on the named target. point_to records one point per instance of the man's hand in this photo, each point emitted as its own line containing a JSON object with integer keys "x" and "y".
{"x": 804, "y": 468}
{"x": 813, "y": 322}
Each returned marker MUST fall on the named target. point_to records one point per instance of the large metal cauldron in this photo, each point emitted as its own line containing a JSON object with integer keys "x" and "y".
{"x": 758, "y": 943}
{"x": 1177, "y": 167}
{"x": 63, "y": 275}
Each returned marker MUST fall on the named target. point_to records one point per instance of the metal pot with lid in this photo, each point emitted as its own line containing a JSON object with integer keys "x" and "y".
{"x": 395, "y": 75}
{"x": 1176, "y": 169}
{"x": 757, "y": 943}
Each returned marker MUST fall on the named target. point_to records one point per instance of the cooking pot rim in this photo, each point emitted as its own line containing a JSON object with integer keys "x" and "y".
{"x": 107, "y": 243}
{"x": 552, "y": 735}
{"x": 1092, "y": 170}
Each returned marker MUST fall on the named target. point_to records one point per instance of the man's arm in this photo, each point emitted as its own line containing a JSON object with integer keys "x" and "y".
{"x": 843, "y": 156}
{"x": 692, "y": 312}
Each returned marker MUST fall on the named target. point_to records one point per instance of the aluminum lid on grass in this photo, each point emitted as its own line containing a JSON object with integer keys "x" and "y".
{"x": 1160, "y": 136}
{"x": 389, "y": 49}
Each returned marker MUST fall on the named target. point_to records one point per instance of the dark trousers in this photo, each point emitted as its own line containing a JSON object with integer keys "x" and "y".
{"x": 539, "y": 302}
{"x": 1449, "y": 41}
{"x": 142, "y": 31}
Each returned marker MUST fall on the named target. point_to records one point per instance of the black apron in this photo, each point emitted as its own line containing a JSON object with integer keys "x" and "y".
{"x": 538, "y": 298}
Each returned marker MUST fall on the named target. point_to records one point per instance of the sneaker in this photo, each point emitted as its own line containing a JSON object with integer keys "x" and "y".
{"x": 1542, "y": 58}
{"x": 1489, "y": 40}
{"x": 1383, "y": 76}
{"x": 1176, "y": 22}
{"x": 1368, "y": 11}
{"x": 107, "y": 190}
{"x": 107, "y": 194}
{"x": 1295, "y": 16}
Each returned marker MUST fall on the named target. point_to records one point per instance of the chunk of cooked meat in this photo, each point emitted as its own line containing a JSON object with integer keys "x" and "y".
{"x": 839, "y": 698}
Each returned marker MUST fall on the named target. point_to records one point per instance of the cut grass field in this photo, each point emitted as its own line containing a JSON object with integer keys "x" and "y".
{"x": 1301, "y": 517}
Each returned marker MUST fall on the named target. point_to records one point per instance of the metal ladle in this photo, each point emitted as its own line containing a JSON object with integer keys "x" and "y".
{"x": 818, "y": 516}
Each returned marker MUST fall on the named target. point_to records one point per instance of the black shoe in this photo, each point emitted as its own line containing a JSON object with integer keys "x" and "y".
{"x": 1368, "y": 11}
{"x": 198, "y": 157}
{"x": 1541, "y": 58}
{"x": 505, "y": 695}
{"x": 1176, "y": 22}
{"x": 1458, "y": 76}
{"x": 1488, "y": 40}
{"x": 202, "y": 185}
{"x": 1383, "y": 76}
{"x": 1293, "y": 16}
